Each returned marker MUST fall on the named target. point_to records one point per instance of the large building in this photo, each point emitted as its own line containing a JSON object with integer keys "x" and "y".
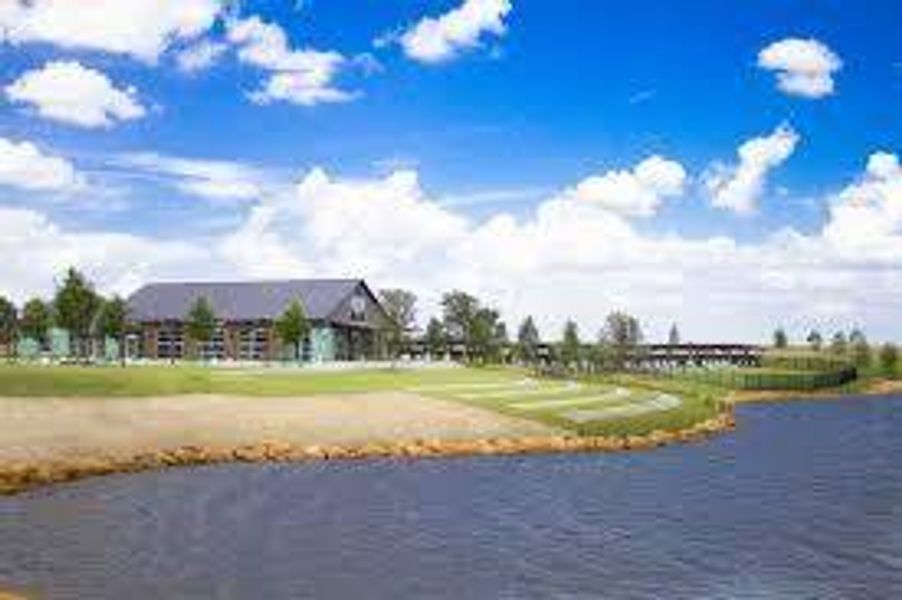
{"x": 347, "y": 320}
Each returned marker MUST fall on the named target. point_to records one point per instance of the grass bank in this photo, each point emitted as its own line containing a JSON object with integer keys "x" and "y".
{"x": 170, "y": 380}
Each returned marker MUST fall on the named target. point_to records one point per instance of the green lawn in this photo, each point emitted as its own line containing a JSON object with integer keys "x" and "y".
{"x": 28, "y": 381}
{"x": 613, "y": 406}
{"x": 608, "y": 406}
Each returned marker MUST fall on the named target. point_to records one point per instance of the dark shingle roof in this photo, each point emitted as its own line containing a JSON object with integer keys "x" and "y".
{"x": 240, "y": 301}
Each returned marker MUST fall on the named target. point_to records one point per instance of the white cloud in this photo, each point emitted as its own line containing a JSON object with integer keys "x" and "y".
{"x": 804, "y": 67}
{"x": 866, "y": 217}
{"x": 23, "y": 165}
{"x": 35, "y": 251}
{"x": 66, "y": 91}
{"x": 439, "y": 39}
{"x": 739, "y": 187}
{"x": 216, "y": 180}
{"x": 565, "y": 259}
{"x": 637, "y": 192}
{"x": 304, "y": 77}
{"x": 143, "y": 29}
{"x": 199, "y": 56}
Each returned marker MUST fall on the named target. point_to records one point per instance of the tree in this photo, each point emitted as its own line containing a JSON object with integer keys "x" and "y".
{"x": 861, "y": 350}
{"x": 619, "y": 339}
{"x": 838, "y": 344}
{"x": 293, "y": 326}
{"x": 112, "y": 320}
{"x": 36, "y": 321}
{"x": 889, "y": 359}
{"x": 780, "y": 339}
{"x": 487, "y": 335}
{"x": 76, "y": 305}
{"x": 528, "y": 341}
{"x": 673, "y": 338}
{"x": 571, "y": 348}
{"x": 815, "y": 340}
{"x": 9, "y": 325}
{"x": 201, "y": 321}
{"x": 459, "y": 317}
{"x": 400, "y": 306}
{"x": 435, "y": 337}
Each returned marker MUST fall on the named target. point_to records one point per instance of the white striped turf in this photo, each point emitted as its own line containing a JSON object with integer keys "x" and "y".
{"x": 617, "y": 395}
{"x": 486, "y": 385}
{"x": 658, "y": 403}
{"x": 570, "y": 388}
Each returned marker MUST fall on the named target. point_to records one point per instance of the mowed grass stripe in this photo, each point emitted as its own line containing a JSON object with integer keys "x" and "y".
{"x": 618, "y": 396}
{"x": 453, "y": 388}
{"x": 541, "y": 390}
{"x": 660, "y": 402}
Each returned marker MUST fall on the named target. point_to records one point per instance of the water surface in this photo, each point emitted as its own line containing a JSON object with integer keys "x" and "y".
{"x": 804, "y": 500}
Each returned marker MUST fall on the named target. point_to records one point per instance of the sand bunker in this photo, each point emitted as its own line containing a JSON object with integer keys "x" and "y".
{"x": 49, "y": 428}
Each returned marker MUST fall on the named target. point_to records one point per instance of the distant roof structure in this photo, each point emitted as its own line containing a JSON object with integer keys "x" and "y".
{"x": 241, "y": 301}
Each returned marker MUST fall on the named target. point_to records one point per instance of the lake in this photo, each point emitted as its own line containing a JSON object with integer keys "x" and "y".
{"x": 804, "y": 500}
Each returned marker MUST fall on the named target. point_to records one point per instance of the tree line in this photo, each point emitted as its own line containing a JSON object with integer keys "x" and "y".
{"x": 853, "y": 347}
{"x": 75, "y": 307}
{"x": 465, "y": 322}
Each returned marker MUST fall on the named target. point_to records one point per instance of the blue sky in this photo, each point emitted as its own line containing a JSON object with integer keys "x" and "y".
{"x": 525, "y": 102}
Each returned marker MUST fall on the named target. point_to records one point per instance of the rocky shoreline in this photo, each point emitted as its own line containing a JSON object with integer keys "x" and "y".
{"x": 19, "y": 477}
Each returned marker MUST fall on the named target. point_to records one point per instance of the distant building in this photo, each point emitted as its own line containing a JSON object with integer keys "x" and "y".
{"x": 346, "y": 320}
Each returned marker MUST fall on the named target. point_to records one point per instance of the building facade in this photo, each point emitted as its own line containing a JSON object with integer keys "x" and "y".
{"x": 347, "y": 321}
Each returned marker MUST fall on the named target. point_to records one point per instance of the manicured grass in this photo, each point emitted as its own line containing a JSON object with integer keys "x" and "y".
{"x": 549, "y": 402}
{"x": 28, "y": 381}
{"x": 625, "y": 404}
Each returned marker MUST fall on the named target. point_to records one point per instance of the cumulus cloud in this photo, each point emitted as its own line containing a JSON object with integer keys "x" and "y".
{"x": 738, "y": 187}
{"x": 35, "y": 251}
{"x": 636, "y": 192}
{"x": 143, "y": 29}
{"x": 215, "y": 180}
{"x": 199, "y": 56}
{"x": 305, "y": 77}
{"x": 804, "y": 67}
{"x": 439, "y": 39}
{"x": 66, "y": 91}
{"x": 567, "y": 258}
{"x": 23, "y": 165}
{"x": 866, "y": 217}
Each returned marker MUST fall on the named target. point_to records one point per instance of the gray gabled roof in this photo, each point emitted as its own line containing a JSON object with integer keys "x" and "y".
{"x": 240, "y": 301}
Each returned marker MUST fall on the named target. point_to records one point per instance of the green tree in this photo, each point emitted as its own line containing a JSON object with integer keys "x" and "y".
{"x": 435, "y": 337}
{"x": 112, "y": 322}
{"x": 619, "y": 339}
{"x": 9, "y": 326}
{"x": 528, "y": 341}
{"x": 75, "y": 306}
{"x": 839, "y": 345}
{"x": 37, "y": 319}
{"x": 571, "y": 347}
{"x": 780, "y": 338}
{"x": 861, "y": 350}
{"x": 815, "y": 340}
{"x": 459, "y": 311}
{"x": 487, "y": 335}
{"x": 201, "y": 321}
{"x": 889, "y": 359}
{"x": 293, "y": 326}
{"x": 400, "y": 306}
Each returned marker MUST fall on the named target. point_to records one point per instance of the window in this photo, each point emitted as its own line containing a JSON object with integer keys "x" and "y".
{"x": 252, "y": 343}
{"x": 170, "y": 343}
{"x": 358, "y": 308}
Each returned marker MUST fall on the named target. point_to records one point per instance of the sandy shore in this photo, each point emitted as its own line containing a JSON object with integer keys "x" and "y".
{"x": 47, "y": 440}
